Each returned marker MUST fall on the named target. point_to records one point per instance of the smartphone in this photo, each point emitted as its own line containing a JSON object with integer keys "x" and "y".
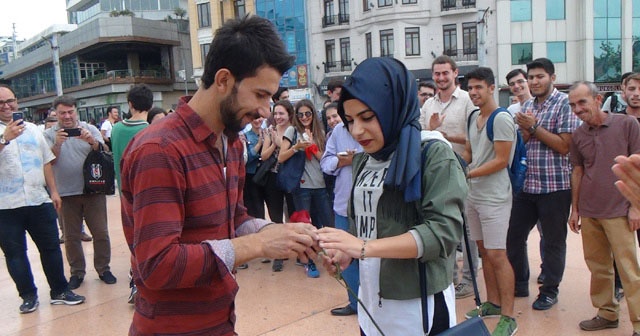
{"x": 18, "y": 116}
{"x": 72, "y": 132}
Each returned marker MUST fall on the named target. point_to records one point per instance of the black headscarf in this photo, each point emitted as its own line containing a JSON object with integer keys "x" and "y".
{"x": 389, "y": 90}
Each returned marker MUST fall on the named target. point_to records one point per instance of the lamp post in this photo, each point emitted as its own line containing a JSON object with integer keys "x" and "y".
{"x": 55, "y": 55}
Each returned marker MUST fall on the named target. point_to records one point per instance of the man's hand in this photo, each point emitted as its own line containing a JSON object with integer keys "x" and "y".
{"x": 525, "y": 120}
{"x": 574, "y": 221}
{"x": 57, "y": 201}
{"x": 279, "y": 241}
{"x": 13, "y": 130}
{"x": 87, "y": 137}
{"x": 436, "y": 121}
{"x": 627, "y": 169}
{"x": 61, "y": 137}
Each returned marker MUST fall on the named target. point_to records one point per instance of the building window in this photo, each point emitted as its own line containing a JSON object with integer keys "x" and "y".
{"x": 450, "y": 35}
{"x": 470, "y": 38}
{"x": 240, "y": 8}
{"x": 343, "y": 11}
{"x": 607, "y": 43}
{"x": 204, "y": 15}
{"x": 409, "y": 2}
{"x": 369, "y": 45}
{"x": 329, "y": 19}
{"x": 635, "y": 32}
{"x": 412, "y": 41}
{"x": 555, "y": 9}
{"x": 557, "y": 52}
{"x": 365, "y": 5}
{"x": 448, "y": 4}
{"x": 345, "y": 54}
{"x": 521, "y": 53}
{"x": 386, "y": 43}
{"x": 468, "y": 3}
{"x": 520, "y": 10}
{"x": 204, "y": 51}
{"x": 330, "y": 52}
{"x": 385, "y": 3}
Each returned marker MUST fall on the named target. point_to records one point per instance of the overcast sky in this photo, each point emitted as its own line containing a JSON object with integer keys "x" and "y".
{"x": 31, "y": 16}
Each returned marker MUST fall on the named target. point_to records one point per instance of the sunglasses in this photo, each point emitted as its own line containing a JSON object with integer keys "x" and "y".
{"x": 304, "y": 114}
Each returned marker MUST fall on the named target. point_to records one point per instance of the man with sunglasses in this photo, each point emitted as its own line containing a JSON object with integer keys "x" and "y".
{"x": 26, "y": 206}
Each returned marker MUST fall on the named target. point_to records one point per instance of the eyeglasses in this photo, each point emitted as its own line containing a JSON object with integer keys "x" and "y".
{"x": 8, "y": 101}
{"x": 426, "y": 94}
{"x": 519, "y": 82}
{"x": 304, "y": 114}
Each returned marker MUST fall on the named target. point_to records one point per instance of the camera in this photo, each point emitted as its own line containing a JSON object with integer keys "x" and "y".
{"x": 72, "y": 132}
{"x": 18, "y": 116}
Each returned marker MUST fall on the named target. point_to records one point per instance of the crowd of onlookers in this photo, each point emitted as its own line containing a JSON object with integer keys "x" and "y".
{"x": 571, "y": 140}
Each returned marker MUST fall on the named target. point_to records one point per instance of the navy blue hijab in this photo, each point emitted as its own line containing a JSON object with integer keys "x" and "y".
{"x": 386, "y": 86}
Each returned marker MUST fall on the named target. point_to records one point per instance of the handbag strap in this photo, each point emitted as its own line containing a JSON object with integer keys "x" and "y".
{"x": 423, "y": 280}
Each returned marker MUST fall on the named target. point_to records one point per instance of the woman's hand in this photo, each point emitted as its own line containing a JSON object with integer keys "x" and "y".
{"x": 335, "y": 239}
{"x": 334, "y": 259}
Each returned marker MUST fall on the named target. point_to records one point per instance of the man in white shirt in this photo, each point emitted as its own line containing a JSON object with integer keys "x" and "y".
{"x": 26, "y": 206}
{"x": 113, "y": 116}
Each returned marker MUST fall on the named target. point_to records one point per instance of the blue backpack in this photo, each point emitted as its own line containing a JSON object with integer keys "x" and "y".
{"x": 518, "y": 167}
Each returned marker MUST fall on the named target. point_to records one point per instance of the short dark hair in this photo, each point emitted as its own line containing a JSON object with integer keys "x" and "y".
{"x": 140, "y": 97}
{"x": 444, "y": 59}
{"x": 153, "y": 112}
{"x": 334, "y": 84}
{"x": 623, "y": 79}
{"x": 64, "y": 100}
{"x": 632, "y": 76}
{"x": 244, "y": 45}
{"x": 111, "y": 108}
{"x": 333, "y": 105}
{"x": 8, "y": 88}
{"x": 514, "y": 73}
{"x": 542, "y": 63}
{"x": 427, "y": 84}
{"x": 483, "y": 74}
{"x": 278, "y": 93}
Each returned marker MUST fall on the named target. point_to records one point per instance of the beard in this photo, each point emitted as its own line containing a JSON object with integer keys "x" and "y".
{"x": 228, "y": 112}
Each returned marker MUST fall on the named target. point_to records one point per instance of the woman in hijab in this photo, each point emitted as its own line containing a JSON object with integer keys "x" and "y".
{"x": 404, "y": 210}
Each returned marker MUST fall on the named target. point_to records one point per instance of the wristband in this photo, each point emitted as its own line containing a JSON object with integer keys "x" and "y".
{"x": 362, "y": 252}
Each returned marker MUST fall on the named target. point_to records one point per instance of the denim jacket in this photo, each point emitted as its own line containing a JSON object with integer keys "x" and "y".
{"x": 437, "y": 218}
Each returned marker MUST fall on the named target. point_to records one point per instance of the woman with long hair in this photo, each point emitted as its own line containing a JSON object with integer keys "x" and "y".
{"x": 274, "y": 197}
{"x": 406, "y": 207}
{"x": 307, "y": 134}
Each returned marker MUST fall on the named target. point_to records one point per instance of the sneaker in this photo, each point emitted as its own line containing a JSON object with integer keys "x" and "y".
{"x": 132, "y": 295}
{"x": 463, "y": 290}
{"x": 29, "y": 305}
{"x": 67, "y": 297}
{"x": 75, "y": 282}
{"x": 544, "y": 302}
{"x": 277, "y": 265}
{"x": 312, "y": 271}
{"x": 487, "y": 309}
{"x": 243, "y": 266}
{"x": 298, "y": 262}
{"x": 597, "y": 323}
{"x": 619, "y": 293}
{"x": 85, "y": 237}
{"x": 507, "y": 326}
{"x": 108, "y": 278}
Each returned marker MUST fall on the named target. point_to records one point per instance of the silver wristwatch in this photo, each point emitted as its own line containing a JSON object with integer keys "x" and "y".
{"x": 3, "y": 141}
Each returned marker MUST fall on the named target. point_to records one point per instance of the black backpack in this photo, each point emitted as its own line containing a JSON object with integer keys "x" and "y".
{"x": 99, "y": 172}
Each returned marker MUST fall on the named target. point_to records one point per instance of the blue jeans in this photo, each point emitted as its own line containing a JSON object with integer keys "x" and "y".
{"x": 316, "y": 202}
{"x": 40, "y": 222}
{"x": 552, "y": 210}
{"x": 351, "y": 274}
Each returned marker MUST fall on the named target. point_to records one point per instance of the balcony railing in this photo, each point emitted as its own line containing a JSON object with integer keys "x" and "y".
{"x": 332, "y": 20}
{"x": 330, "y": 66}
{"x": 462, "y": 55}
{"x": 345, "y": 65}
{"x": 121, "y": 74}
{"x": 447, "y": 5}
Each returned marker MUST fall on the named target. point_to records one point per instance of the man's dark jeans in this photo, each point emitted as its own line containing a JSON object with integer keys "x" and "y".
{"x": 552, "y": 210}
{"x": 40, "y": 222}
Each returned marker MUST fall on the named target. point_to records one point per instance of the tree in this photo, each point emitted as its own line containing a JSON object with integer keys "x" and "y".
{"x": 607, "y": 67}
{"x": 180, "y": 13}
